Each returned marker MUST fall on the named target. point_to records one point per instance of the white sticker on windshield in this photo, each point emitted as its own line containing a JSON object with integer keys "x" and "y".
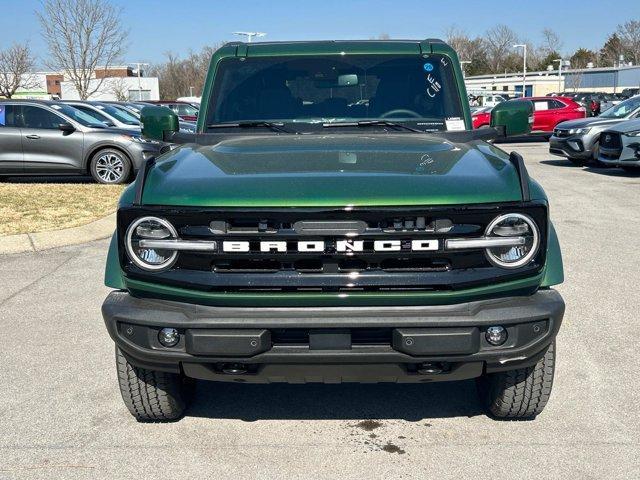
{"x": 455, "y": 124}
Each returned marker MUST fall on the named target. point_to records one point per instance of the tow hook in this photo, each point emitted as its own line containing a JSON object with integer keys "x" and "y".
{"x": 429, "y": 368}
{"x": 234, "y": 368}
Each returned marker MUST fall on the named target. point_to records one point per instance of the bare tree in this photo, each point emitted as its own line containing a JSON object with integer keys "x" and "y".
{"x": 468, "y": 49}
{"x": 550, "y": 42}
{"x": 629, "y": 34}
{"x": 119, "y": 88}
{"x": 178, "y": 77}
{"x": 82, "y": 35}
{"x": 16, "y": 65}
{"x": 499, "y": 42}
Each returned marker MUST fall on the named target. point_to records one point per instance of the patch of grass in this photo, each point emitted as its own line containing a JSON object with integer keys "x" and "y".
{"x": 39, "y": 207}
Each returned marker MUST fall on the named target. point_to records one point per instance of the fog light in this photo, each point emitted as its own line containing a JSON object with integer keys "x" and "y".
{"x": 169, "y": 337}
{"x": 496, "y": 335}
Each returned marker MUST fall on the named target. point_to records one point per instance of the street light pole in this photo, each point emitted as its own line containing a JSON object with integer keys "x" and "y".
{"x": 462, "y": 64}
{"x": 139, "y": 65}
{"x": 250, "y": 35}
{"x": 559, "y": 60}
{"x": 524, "y": 67}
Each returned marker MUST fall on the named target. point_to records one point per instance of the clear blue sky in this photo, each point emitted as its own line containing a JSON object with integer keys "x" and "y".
{"x": 159, "y": 26}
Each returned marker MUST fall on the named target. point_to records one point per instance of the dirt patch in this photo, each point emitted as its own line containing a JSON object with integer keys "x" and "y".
{"x": 369, "y": 425}
{"x": 391, "y": 448}
{"x": 40, "y": 207}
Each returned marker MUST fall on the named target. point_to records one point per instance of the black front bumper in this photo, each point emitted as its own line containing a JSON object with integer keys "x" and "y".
{"x": 340, "y": 344}
{"x": 571, "y": 147}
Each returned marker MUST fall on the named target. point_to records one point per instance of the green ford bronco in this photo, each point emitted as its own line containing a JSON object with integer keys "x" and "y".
{"x": 334, "y": 219}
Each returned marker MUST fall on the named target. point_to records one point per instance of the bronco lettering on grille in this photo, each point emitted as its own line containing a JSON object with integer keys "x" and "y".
{"x": 320, "y": 246}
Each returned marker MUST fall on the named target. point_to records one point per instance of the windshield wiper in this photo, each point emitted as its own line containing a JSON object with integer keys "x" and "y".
{"x": 372, "y": 123}
{"x": 277, "y": 127}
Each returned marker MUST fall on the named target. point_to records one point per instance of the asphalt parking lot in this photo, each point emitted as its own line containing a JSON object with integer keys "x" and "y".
{"x": 61, "y": 415}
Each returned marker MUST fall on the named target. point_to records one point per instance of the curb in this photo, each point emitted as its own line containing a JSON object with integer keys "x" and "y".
{"x": 35, "y": 242}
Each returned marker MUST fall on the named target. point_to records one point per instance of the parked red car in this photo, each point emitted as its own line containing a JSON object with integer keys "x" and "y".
{"x": 184, "y": 110}
{"x": 550, "y": 111}
{"x": 481, "y": 117}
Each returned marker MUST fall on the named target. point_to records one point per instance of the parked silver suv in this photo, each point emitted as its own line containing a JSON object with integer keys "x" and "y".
{"x": 51, "y": 138}
{"x": 579, "y": 140}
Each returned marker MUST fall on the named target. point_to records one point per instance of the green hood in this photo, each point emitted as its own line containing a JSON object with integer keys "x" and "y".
{"x": 334, "y": 170}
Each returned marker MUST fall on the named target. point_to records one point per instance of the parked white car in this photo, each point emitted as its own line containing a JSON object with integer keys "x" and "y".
{"x": 492, "y": 100}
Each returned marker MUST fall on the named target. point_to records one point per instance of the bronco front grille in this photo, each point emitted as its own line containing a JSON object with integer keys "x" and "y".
{"x": 331, "y": 269}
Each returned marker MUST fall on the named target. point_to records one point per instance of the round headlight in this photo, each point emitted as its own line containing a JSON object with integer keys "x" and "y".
{"x": 513, "y": 225}
{"x": 150, "y": 228}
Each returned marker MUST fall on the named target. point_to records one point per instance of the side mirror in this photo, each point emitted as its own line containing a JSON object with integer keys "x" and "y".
{"x": 515, "y": 117}
{"x": 157, "y": 122}
{"x": 67, "y": 127}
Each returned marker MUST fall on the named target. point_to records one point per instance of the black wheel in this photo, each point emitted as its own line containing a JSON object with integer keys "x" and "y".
{"x": 521, "y": 393}
{"x": 152, "y": 396}
{"x": 110, "y": 166}
{"x": 595, "y": 153}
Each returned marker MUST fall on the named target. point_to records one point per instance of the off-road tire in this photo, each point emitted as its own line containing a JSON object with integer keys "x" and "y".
{"x": 152, "y": 396}
{"x": 521, "y": 393}
{"x": 124, "y": 172}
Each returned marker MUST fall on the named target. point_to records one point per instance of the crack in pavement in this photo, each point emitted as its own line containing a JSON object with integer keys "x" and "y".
{"x": 41, "y": 277}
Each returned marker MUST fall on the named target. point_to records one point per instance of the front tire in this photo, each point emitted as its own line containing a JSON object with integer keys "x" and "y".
{"x": 521, "y": 393}
{"x": 595, "y": 153}
{"x": 110, "y": 167}
{"x": 152, "y": 396}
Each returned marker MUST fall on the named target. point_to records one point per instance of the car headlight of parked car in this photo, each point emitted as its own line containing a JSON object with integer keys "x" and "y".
{"x": 579, "y": 131}
{"x": 155, "y": 230}
{"x": 635, "y": 133}
{"x": 521, "y": 240}
{"x": 139, "y": 139}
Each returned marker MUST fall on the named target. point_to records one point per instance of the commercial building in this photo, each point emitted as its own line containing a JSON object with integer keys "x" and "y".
{"x": 605, "y": 79}
{"x": 42, "y": 86}
{"x": 114, "y": 83}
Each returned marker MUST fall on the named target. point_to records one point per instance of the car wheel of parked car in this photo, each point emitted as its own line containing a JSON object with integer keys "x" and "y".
{"x": 521, "y": 393}
{"x": 595, "y": 153}
{"x": 110, "y": 166}
{"x": 152, "y": 395}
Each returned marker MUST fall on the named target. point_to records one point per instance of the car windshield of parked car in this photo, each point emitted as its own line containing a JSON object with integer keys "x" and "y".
{"x": 78, "y": 115}
{"x": 120, "y": 115}
{"x": 186, "y": 109}
{"x": 407, "y": 88}
{"x": 622, "y": 109}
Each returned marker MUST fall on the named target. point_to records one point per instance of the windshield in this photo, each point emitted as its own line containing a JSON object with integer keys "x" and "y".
{"x": 322, "y": 89}
{"x": 120, "y": 115}
{"x": 622, "y": 109}
{"x": 78, "y": 115}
